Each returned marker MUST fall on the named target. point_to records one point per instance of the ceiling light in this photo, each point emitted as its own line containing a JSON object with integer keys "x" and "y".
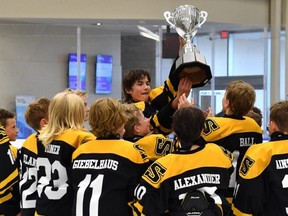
{"x": 147, "y": 33}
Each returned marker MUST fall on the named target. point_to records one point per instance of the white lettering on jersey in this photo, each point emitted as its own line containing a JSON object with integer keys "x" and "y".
{"x": 95, "y": 164}
{"x": 248, "y": 141}
{"x": 53, "y": 149}
{"x": 196, "y": 180}
{"x": 282, "y": 164}
{"x": 29, "y": 160}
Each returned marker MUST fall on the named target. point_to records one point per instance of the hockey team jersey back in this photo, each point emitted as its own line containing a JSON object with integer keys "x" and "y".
{"x": 104, "y": 175}
{"x": 166, "y": 182}
{"x": 53, "y": 163}
{"x": 234, "y": 134}
{"x": 262, "y": 187}
{"x": 28, "y": 182}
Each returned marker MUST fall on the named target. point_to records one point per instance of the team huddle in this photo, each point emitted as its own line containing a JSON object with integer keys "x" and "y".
{"x": 126, "y": 164}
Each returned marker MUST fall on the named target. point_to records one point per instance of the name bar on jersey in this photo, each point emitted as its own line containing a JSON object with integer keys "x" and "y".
{"x": 95, "y": 164}
{"x": 282, "y": 164}
{"x": 196, "y": 180}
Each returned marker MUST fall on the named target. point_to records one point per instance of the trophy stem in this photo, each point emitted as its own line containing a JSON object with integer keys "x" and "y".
{"x": 187, "y": 38}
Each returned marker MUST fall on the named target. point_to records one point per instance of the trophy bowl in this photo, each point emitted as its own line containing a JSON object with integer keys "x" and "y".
{"x": 186, "y": 20}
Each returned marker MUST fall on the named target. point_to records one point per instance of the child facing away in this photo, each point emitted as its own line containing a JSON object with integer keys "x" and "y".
{"x": 189, "y": 181}
{"x": 106, "y": 171}
{"x": 36, "y": 116}
{"x": 63, "y": 133}
{"x": 261, "y": 188}
{"x": 234, "y": 131}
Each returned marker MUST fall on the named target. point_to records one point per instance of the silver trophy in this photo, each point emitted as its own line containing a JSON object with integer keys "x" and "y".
{"x": 186, "y": 19}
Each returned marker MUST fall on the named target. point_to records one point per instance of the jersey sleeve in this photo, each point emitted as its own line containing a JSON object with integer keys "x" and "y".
{"x": 161, "y": 119}
{"x": 9, "y": 176}
{"x": 147, "y": 200}
{"x": 251, "y": 188}
{"x": 161, "y": 99}
{"x": 156, "y": 146}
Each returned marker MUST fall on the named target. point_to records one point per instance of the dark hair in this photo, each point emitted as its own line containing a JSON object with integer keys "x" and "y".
{"x": 130, "y": 79}
{"x": 257, "y": 110}
{"x": 188, "y": 123}
{"x": 256, "y": 114}
{"x": 4, "y": 115}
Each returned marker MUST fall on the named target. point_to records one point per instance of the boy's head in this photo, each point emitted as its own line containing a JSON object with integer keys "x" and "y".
{"x": 36, "y": 114}
{"x": 239, "y": 98}
{"x": 137, "y": 124}
{"x": 256, "y": 114}
{"x": 133, "y": 83}
{"x": 107, "y": 118}
{"x": 279, "y": 117}
{"x": 188, "y": 124}
{"x": 8, "y": 121}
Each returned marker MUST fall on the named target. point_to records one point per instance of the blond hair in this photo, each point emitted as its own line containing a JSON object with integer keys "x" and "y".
{"x": 107, "y": 115}
{"x": 132, "y": 113}
{"x": 241, "y": 97}
{"x": 77, "y": 92}
{"x": 66, "y": 111}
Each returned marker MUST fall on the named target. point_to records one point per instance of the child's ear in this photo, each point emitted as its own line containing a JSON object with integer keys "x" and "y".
{"x": 136, "y": 129}
{"x": 226, "y": 103}
{"x": 128, "y": 91}
{"x": 273, "y": 127}
{"x": 43, "y": 122}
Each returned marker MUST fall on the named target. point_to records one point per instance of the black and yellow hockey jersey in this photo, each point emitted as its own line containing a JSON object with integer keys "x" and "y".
{"x": 28, "y": 181}
{"x": 104, "y": 175}
{"x": 262, "y": 187}
{"x": 168, "y": 180}
{"x": 9, "y": 177}
{"x": 155, "y": 145}
{"x": 53, "y": 163}
{"x": 235, "y": 134}
{"x": 159, "y": 108}
{"x": 161, "y": 119}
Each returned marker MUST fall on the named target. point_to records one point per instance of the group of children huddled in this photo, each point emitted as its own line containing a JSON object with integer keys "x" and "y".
{"x": 127, "y": 165}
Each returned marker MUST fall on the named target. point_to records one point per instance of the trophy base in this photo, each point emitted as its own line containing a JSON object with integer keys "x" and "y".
{"x": 196, "y": 70}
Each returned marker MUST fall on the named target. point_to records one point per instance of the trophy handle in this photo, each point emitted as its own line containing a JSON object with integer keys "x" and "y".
{"x": 203, "y": 16}
{"x": 168, "y": 17}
